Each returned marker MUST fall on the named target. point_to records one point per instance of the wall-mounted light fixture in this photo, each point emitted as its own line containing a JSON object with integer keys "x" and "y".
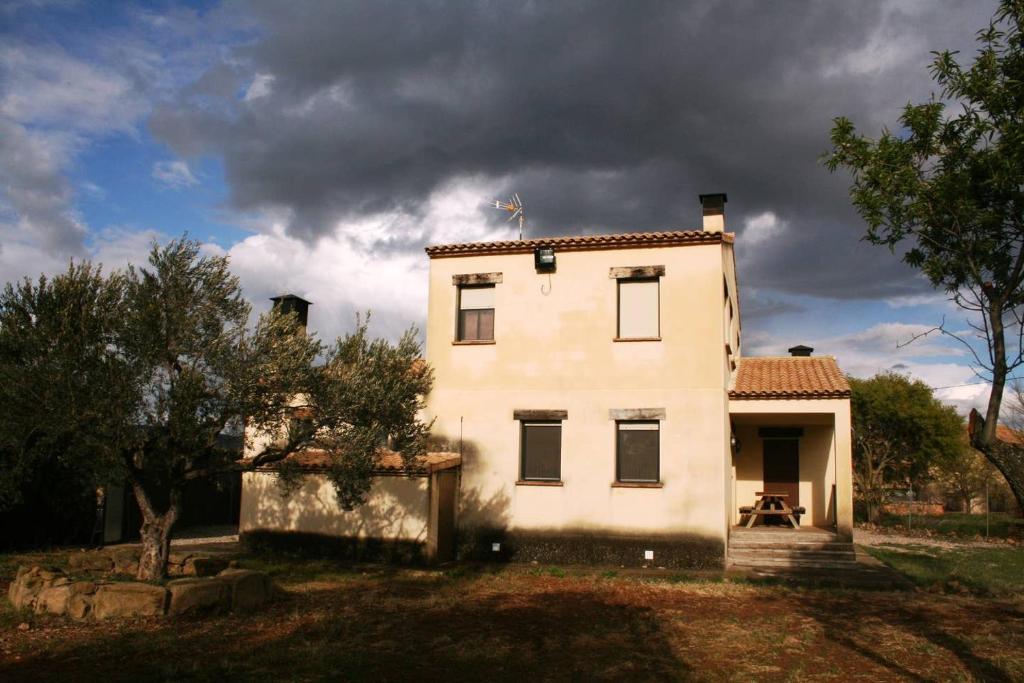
{"x": 544, "y": 259}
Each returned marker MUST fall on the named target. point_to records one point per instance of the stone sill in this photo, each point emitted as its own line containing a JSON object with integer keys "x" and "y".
{"x": 473, "y": 342}
{"x": 538, "y": 482}
{"x": 638, "y": 485}
{"x": 636, "y": 339}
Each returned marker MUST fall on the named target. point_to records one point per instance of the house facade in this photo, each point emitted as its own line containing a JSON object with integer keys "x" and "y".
{"x": 591, "y": 403}
{"x": 596, "y": 391}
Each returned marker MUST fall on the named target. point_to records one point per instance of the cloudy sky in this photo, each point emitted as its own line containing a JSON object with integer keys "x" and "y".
{"x": 322, "y": 145}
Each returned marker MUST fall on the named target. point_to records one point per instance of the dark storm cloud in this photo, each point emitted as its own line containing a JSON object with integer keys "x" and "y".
{"x": 604, "y": 116}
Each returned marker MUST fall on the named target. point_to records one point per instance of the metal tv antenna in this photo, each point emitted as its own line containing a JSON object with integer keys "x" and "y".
{"x": 515, "y": 207}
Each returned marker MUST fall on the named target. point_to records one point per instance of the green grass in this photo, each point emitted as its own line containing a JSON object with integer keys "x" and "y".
{"x": 1001, "y": 524}
{"x": 998, "y": 571}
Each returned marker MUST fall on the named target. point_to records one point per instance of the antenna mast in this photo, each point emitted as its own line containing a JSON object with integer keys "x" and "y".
{"x": 515, "y": 207}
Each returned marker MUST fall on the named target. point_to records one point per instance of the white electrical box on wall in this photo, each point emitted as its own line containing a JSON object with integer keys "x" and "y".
{"x": 496, "y": 547}
{"x": 648, "y": 554}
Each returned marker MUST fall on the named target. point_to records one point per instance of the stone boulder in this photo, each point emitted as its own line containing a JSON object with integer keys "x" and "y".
{"x": 73, "y": 599}
{"x": 189, "y": 596}
{"x": 90, "y": 561}
{"x": 248, "y": 589}
{"x": 129, "y": 599}
{"x": 125, "y": 560}
{"x": 24, "y": 591}
{"x": 198, "y": 565}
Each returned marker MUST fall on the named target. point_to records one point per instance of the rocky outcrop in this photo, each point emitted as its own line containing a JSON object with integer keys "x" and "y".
{"x": 51, "y": 591}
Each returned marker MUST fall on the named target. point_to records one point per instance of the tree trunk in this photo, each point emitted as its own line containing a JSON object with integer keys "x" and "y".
{"x": 1007, "y": 458}
{"x": 156, "y": 534}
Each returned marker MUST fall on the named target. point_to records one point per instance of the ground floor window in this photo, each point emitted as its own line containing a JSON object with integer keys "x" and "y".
{"x": 541, "y": 451}
{"x": 637, "y": 451}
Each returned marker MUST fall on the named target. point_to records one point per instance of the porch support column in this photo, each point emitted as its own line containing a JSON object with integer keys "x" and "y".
{"x": 844, "y": 472}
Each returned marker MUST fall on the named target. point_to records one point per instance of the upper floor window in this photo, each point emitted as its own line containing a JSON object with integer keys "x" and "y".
{"x": 475, "y": 306}
{"x": 638, "y": 309}
{"x": 639, "y": 315}
{"x": 476, "y": 313}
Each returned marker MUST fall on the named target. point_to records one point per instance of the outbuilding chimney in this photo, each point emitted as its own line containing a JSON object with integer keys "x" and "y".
{"x": 801, "y": 350}
{"x": 289, "y": 303}
{"x": 714, "y": 211}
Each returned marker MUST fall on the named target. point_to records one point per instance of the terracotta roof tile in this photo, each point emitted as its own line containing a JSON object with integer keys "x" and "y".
{"x": 625, "y": 240}
{"x": 789, "y": 377}
{"x": 388, "y": 462}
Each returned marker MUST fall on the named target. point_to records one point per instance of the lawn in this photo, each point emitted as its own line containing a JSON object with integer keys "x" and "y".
{"x": 985, "y": 570}
{"x": 519, "y": 622}
{"x": 959, "y": 524}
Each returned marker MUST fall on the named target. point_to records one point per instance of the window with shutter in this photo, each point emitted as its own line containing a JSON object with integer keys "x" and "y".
{"x": 638, "y": 309}
{"x": 541, "y": 445}
{"x": 637, "y": 453}
{"x": 476, "y": 313}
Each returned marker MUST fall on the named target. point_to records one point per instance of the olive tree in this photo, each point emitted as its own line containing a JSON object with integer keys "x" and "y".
{"x": 133, "y": 376}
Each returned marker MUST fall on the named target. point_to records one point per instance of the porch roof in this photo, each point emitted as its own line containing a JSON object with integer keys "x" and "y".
{"x": 388, "y": 462}
{"x": 789, "y": 377}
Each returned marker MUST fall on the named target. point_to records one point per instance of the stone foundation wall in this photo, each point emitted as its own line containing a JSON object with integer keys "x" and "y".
{"x": 346, "y": 548}
{"x": 51, "y": 591}
{"x": 675, "y": 551}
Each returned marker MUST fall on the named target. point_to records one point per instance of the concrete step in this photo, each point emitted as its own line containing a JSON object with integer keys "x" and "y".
{"x": 777, "y": 554}
{"x": 785, "y": 562}
{"x": 792, "y": 536}
{"x": 738, "y": 544}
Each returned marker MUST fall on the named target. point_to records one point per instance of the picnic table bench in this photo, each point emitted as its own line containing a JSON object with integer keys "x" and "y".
{"x": 771, "y": 504}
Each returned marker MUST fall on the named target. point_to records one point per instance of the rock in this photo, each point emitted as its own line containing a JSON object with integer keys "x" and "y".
{"x": 25, "y": 589}
{"x": 80, "y": 599}
{"x": 23, "y": 626}
{"x": 198, "y": 595}
{"x": 126, "y": 560}
{"x": 53, "y": 600}
{"x": 90, "y": 562}
{"x": 204, "y": 566}
{"x": 129, "y": 599}
{"x": 248, "y": 588}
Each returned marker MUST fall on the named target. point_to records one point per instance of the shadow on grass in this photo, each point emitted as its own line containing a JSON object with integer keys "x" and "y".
{"x": 863, "y": 626}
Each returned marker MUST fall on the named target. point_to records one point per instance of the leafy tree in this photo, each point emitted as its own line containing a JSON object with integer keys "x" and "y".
{"x": 963, "y": 478}
{"x": 366, "y": 396}
{"x": 134, "y": 375}
{"x": 900, "y": 432}
{"x": 948, "y": 187}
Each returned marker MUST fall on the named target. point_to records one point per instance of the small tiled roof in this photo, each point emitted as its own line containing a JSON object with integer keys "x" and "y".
{"x": 789, "y": 377}
{"x": 582, "y": 243}
{"x": 388, "y": 462}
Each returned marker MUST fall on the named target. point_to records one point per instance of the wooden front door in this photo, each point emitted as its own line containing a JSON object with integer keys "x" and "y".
{"x": 782, "y": 469}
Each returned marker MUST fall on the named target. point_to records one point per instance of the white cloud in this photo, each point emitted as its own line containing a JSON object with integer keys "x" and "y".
{"x": 261, "y": 86}
{"x": 364, "y": 264}
{"x": 174, "y": 174}
{"x": 46, "y": 86}
{"x": 761, "y": 228}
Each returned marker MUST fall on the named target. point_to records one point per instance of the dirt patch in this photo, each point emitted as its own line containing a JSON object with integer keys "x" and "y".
{"x": 874, "y": 537}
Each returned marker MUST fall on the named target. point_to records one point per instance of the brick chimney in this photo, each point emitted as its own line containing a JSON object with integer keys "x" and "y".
{"x": 288, "y": 303}
{"x": 801, "y": 351}
{"x": 714, "y": 211}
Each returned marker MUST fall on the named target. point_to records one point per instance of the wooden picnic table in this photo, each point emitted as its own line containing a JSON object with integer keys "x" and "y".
{"x": 770, "y": 504}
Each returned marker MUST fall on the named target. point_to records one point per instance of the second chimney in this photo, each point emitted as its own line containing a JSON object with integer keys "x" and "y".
{"x": 289, "y": 303}
{"x": 801, "y": 350}
{"x": 714, "y": 211}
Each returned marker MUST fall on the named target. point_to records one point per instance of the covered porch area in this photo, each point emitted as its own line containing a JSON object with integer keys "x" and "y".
{"x": 794, "y": 455}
